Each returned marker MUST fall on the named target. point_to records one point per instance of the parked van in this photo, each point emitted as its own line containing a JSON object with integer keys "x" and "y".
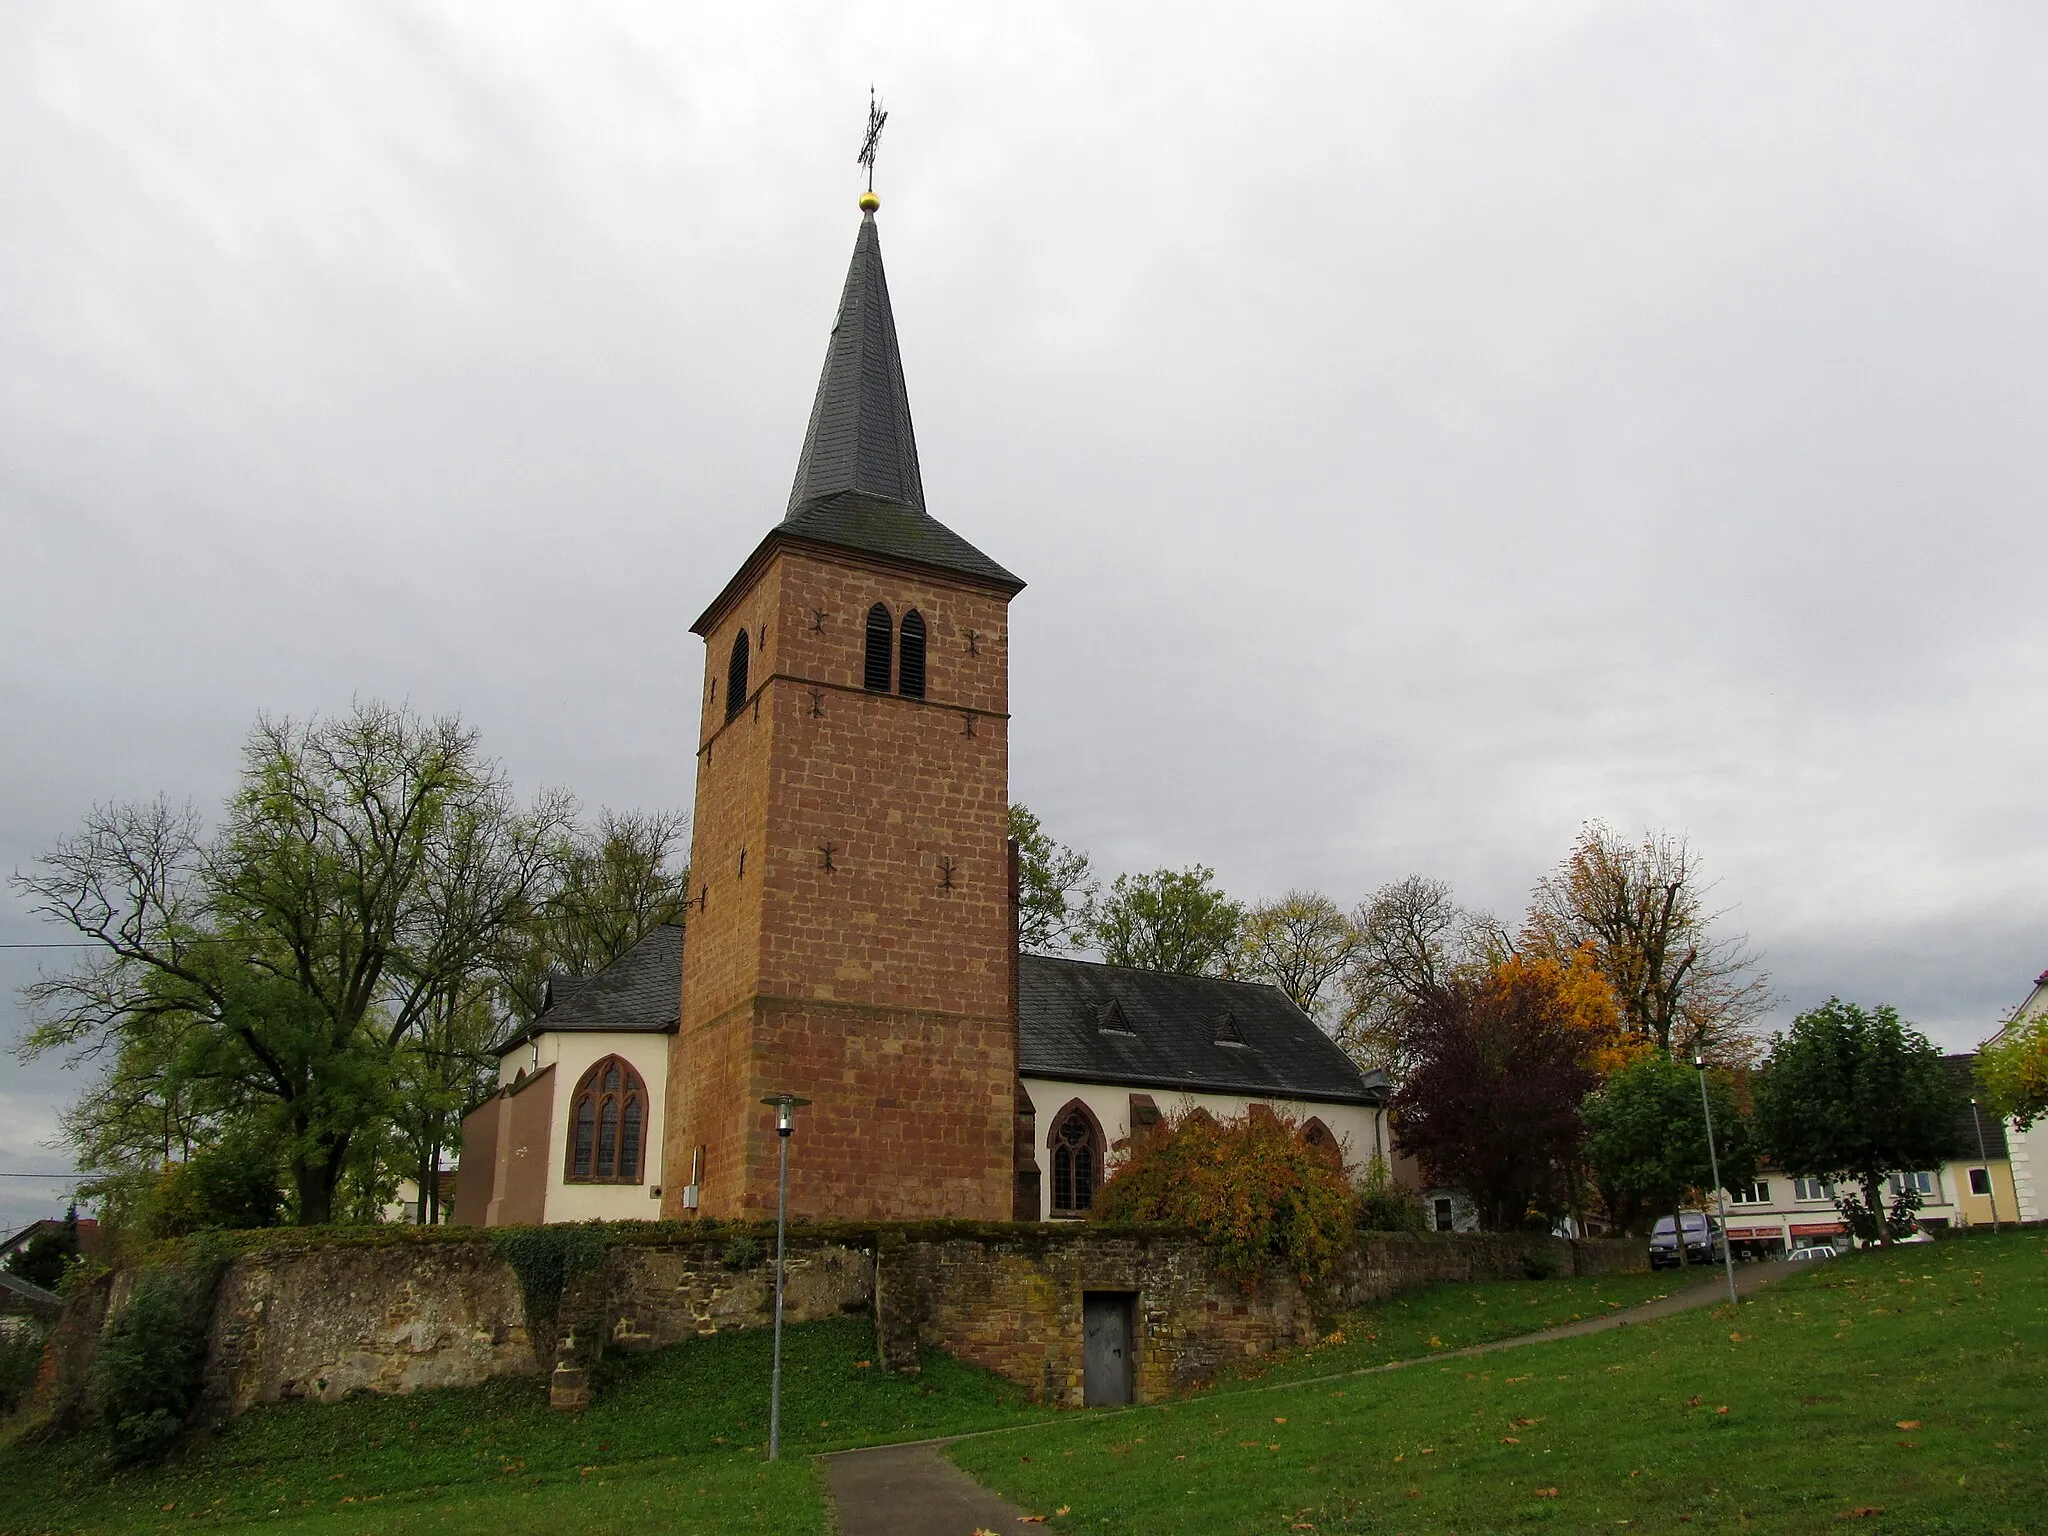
{"x": 1704, "y": 1243}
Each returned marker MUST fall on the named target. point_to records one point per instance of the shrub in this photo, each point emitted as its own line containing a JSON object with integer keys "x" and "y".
{"x": 232, "y": 1186}
{"x": 1254, "y": 1189}
{"x": 146, "y": 1376}
{"x": 1384, "y": 1206}
{"x": 741, "y": 1252}
{"x": 1541, "y": 1264}
{"x": 21, "y": 1353}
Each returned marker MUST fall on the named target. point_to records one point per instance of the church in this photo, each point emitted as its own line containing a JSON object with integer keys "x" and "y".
{"x": 852, "y": 929}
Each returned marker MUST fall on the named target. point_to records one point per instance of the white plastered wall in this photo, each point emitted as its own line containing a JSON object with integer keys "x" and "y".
{"x": 2029, "y": 1150}
{"x": 572, "y": 1053}
{"x": 1360, "y": 1130}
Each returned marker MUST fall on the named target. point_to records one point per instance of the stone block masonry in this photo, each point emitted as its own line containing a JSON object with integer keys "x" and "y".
{"x": 322, "y": 1320}
{"x": 851, "y": 934}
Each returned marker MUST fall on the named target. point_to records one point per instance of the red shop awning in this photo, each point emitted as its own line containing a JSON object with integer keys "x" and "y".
{"x": 1819, "y": 1229}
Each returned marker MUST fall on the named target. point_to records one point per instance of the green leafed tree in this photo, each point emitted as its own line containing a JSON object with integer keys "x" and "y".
{"x": 1855, "y": 1095}
{"x": 1170, "y": 920}
{"x": 1646, "y": 1139}
{"x": 2013, "y": 1070}
{"x": 1300, "y": 944}
{"x": 1055, "y": 886}
{"x": 267, "y": 976}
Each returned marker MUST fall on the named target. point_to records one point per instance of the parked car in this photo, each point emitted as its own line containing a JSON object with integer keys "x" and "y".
{"x": 1704, "y": 1243}
{"x": 1817, "y": 1251}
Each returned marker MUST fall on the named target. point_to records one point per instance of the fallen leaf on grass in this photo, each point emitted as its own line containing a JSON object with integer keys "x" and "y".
{"x": 1692, "y": 1402}
{"x": 1031, "y": 1519}
{"x": 1909, "y": 1445}
{"x": 1301, "y": 1525}
{"x": 1509, "y": 1440}
{"x": 1278, "y": 1420}
{"x": 1722, "y": 1409}
{"x": 1546, "y": 1493}
{"x": 1060, "y": 1511}
{"x": 1861, "y": 1512}
{"x": 1907, "y": 1424}
{"x": 1414, "y": 1493}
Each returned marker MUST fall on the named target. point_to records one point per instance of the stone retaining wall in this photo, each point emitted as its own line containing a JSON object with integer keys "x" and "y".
{"x": 324, "y": 1320}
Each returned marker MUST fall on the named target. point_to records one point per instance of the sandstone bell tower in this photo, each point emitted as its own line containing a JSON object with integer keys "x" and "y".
{"x": 850, "y": 935}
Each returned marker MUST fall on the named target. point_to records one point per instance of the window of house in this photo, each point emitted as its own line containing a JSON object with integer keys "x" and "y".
{"x": 910, "y": 665}
{"x": 1926, "y": 1183}
{"x": 1446, "y": 1218}
{"x": 608, "y": 1124}
{"x": 736, "y": 676}
{"x": 1758, "y": 1193}
{"x": 1980, "y": 1181}
{"x": 881, "y": 631}
{"x": 1813, "y": 1189}
{"x": 1076, "y": 1161}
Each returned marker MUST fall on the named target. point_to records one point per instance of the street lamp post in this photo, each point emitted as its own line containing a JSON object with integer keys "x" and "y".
{"x": 1990, "y": 1183}
{"x": 785, "y": 1106}
{"x": 1721, "y": 1195}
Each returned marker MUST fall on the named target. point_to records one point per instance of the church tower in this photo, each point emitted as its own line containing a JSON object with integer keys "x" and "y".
{"x": 850, "y": 935}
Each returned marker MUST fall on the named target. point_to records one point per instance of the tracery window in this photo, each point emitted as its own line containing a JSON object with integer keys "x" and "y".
{"x": 1076, "y": 1160}
{"x": 910, "y": 669}
{"x": 608, "y": 1125}
{"x": 881, "y": 630}
{"x": 736, "y": 676}
{"x": 1319, "y": 1137}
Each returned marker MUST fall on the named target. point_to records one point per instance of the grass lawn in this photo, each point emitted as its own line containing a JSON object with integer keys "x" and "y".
{"x": 672, "y": 1444}
{"x": 1910, "y": 1383}
{"x": 1452, "y": 1316}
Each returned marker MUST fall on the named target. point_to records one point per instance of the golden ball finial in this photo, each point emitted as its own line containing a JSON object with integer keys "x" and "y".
{"x": 869, "y": 202}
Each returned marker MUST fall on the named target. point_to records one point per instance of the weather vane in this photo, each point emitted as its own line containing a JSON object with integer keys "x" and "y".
{"x": 869, "y": 145}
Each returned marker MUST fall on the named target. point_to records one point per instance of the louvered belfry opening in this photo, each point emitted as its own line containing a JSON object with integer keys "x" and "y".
{"x": 736, "y": 676}
{"x": 880, "y": 634}
{"x": 910, "y": 669}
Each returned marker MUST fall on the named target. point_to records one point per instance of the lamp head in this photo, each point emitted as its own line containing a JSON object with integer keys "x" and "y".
{"x": 785, "y": 1106}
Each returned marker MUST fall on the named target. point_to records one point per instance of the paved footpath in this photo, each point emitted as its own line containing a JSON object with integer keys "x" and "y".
{"x": 913, "y": 1490}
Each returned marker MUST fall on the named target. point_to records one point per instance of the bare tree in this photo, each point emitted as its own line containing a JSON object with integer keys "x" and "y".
{"x": 615, "y": 884}
{"x": 1412, "y": 941}
{"x": 1642, "y": 909}
{"x": 1300, "y": 944}
{"x": 1056, "y": 886}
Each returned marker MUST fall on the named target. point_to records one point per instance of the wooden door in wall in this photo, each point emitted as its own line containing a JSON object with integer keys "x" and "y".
{"x": 1107, "y": 1377}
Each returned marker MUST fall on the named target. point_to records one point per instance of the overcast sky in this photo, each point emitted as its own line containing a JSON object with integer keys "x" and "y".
{"x": 1423, "y": 428}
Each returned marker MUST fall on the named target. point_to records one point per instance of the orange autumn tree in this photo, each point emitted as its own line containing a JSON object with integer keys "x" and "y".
{"x": 1580, "y": 995}
{"x": 1255, "y": 1189}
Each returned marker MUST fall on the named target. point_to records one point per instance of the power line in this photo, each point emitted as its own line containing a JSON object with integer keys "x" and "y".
{"x": 49, "y": 946}
{"x": 61, "y": 1174}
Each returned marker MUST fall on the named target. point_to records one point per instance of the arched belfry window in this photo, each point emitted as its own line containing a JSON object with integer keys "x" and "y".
{"x": 910, "y": 669}
{"x": 736, "y": 676}
{"x": 1077, "y": 1160}
{"x": 880, "y": 634}
{"x": 607, "y": 1125}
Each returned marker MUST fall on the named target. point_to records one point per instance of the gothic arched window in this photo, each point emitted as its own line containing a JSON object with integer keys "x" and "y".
{"x": 736, "y": 677}
{"x": 1076, "y": 1160}
{"x": 1318, "y": 1136}
{"x": 910, "y": 671}
{"x": 607, "y": 1125}
{"x": 880, "y": 633}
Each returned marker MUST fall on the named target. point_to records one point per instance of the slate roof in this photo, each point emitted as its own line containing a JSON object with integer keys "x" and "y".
{"x": 1104, "y": 1024}
{"x": 858, "y": 486}
{"x": 642, "y": 991}
{"x": 1962, "y": 1076}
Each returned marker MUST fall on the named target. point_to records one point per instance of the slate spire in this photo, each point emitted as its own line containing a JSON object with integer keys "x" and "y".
{"x": 860, "y": 438}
